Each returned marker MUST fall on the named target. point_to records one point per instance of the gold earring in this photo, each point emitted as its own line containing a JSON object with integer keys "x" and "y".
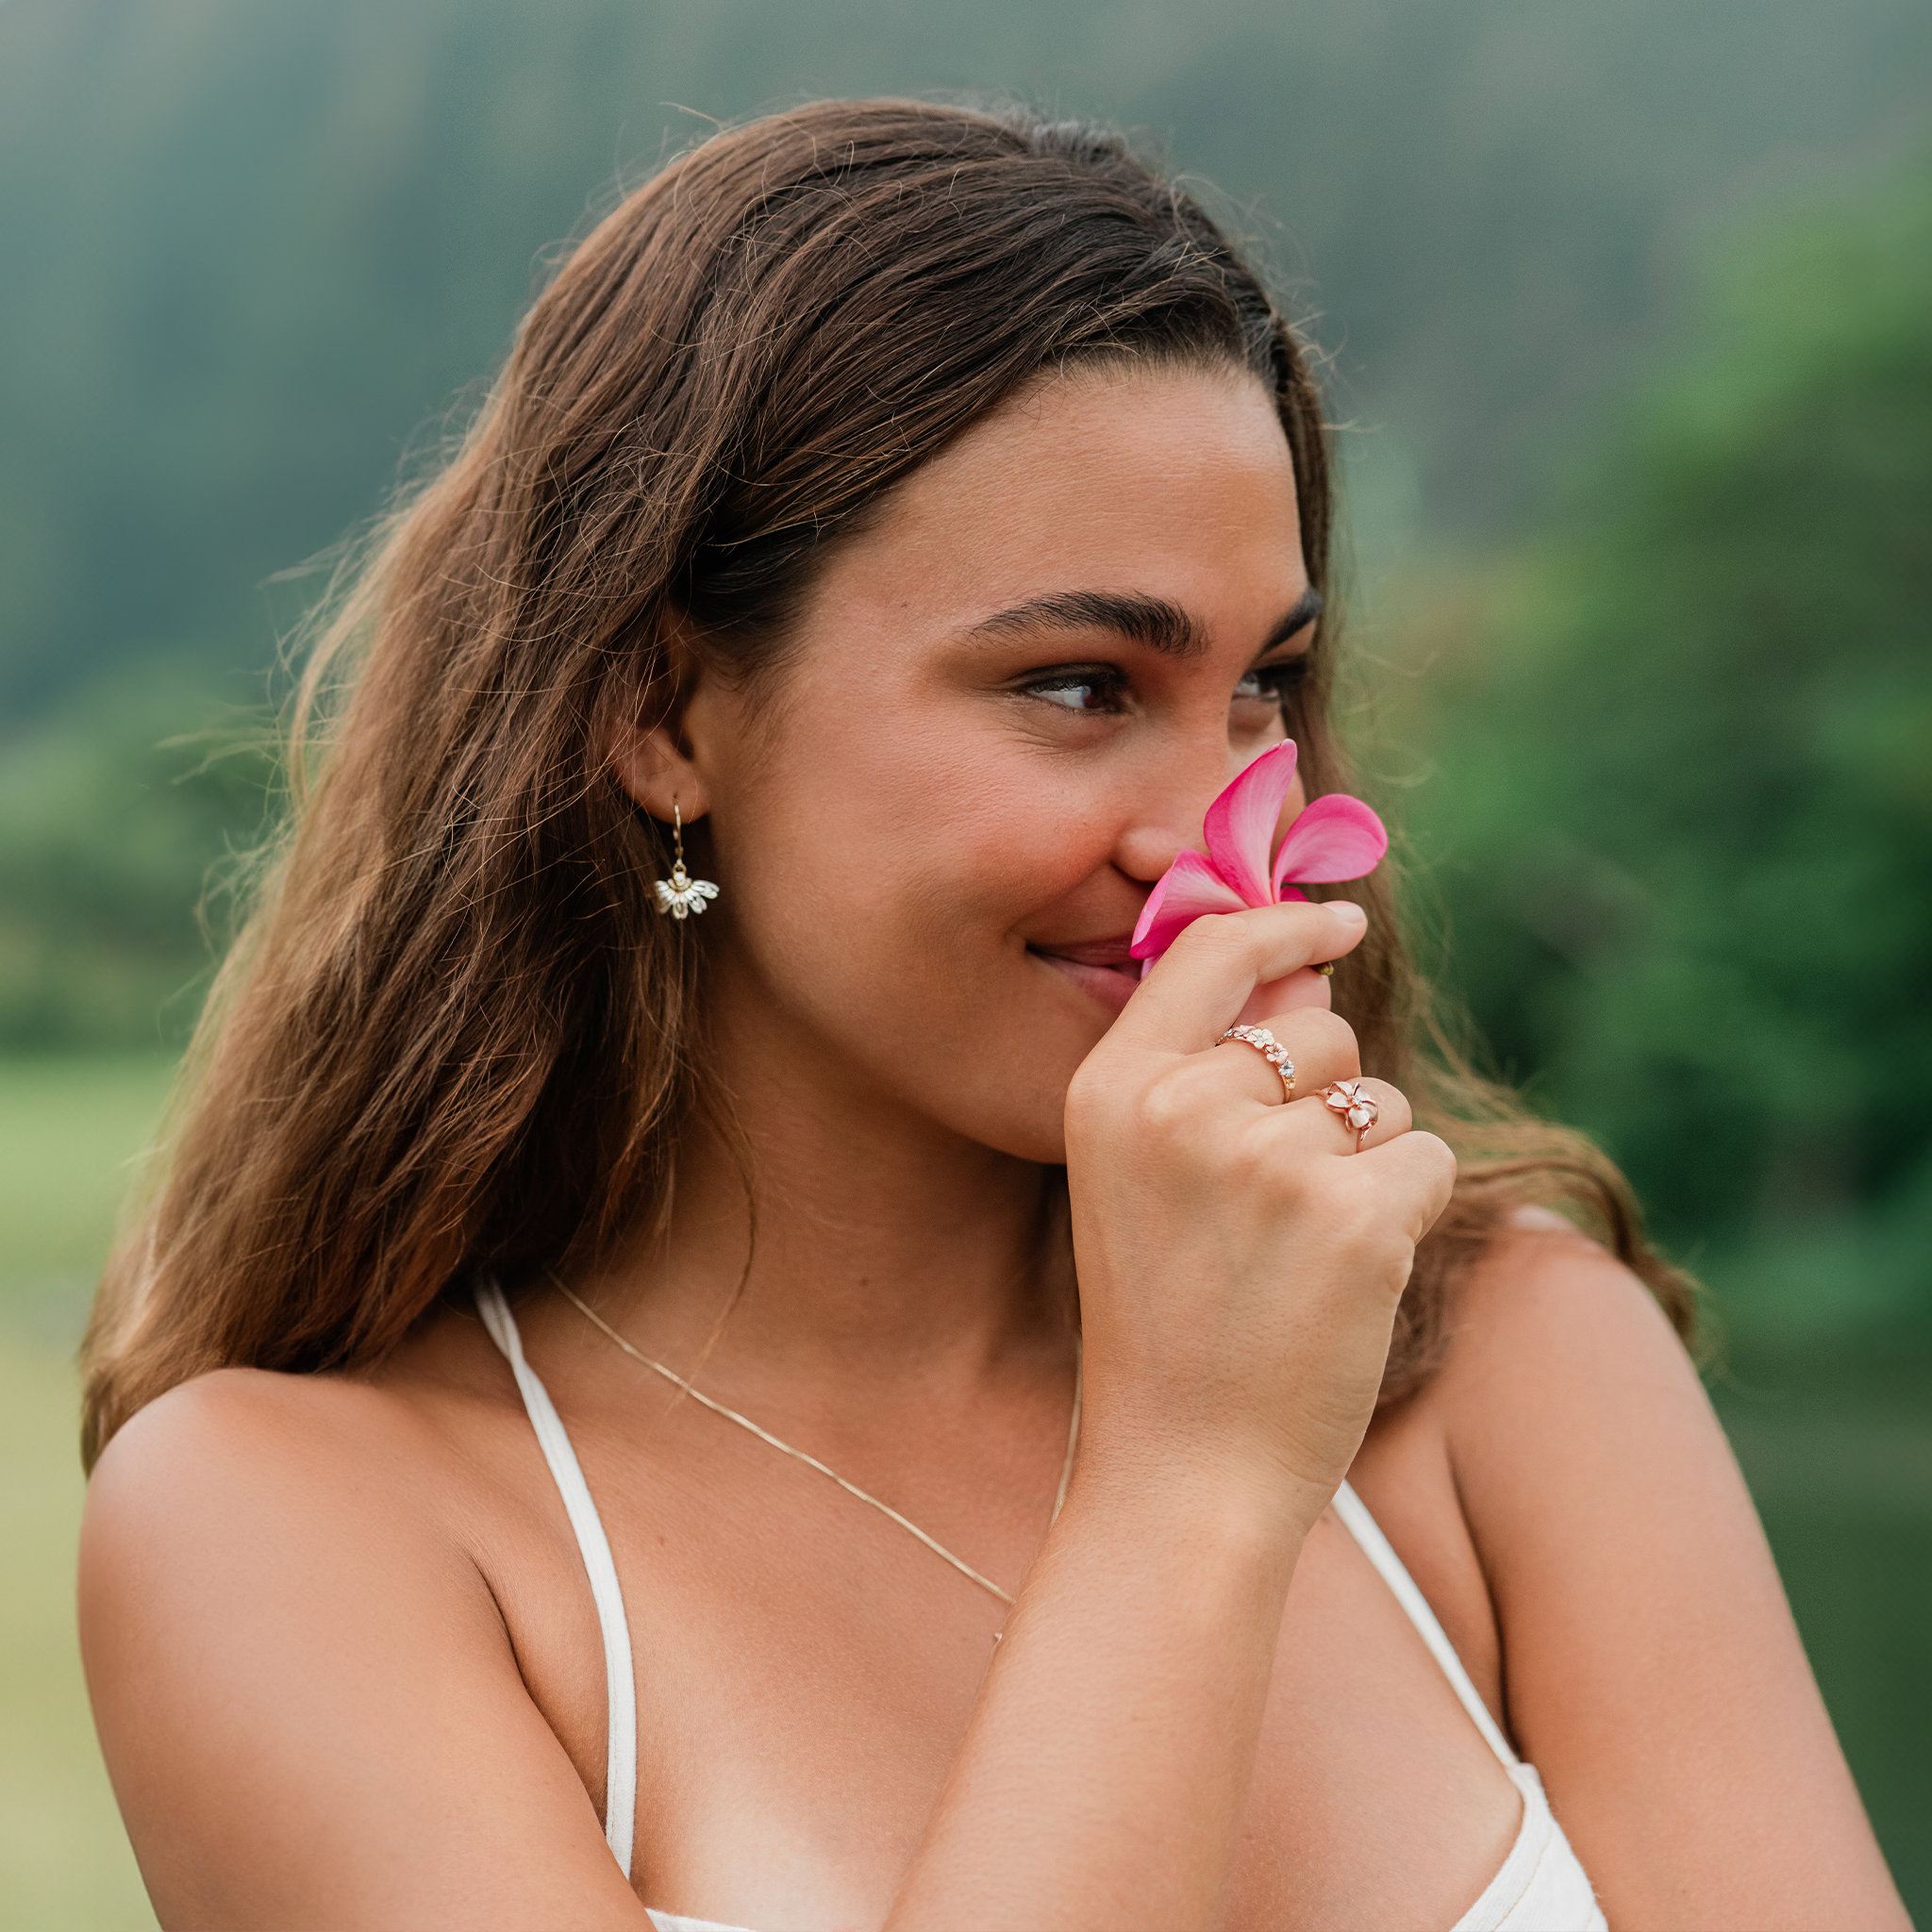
{"x": 680, "y": 895}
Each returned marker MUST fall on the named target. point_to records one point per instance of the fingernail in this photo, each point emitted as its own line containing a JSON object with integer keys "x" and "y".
{"x": 1349, "y": 910}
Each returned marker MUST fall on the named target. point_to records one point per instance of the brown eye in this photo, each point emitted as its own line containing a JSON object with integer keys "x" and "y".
{"x": 1078, "y": 691}
{"x": 1271, "y": 684}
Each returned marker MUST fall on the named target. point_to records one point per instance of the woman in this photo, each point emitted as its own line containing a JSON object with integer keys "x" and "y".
{"x": 921, "y": 518}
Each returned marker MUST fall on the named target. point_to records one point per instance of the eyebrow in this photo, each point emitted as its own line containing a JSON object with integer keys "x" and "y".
{"x": 1304, "y": 611}
{"x": 1150, "y": 621}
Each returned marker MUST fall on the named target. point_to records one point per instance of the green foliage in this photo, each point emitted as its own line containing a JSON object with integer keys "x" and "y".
{"x": 113, "y": 834}
{"x": 1685, "y": 793}
{"x": 252, "y": 249}
{"x": 257, "y": 249}
{"x": 1682, "y": 798}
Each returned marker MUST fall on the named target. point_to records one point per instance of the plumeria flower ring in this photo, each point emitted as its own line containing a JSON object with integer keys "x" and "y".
{"x": 1333, "y": 838}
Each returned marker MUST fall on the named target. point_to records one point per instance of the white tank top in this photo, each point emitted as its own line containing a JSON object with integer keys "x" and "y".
{"x": 1541, "y": 1887}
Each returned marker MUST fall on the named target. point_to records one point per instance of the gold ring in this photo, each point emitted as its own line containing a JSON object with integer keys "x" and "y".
{"x": 1355, "y": 1105}
{"x": 1270, "y": 1050}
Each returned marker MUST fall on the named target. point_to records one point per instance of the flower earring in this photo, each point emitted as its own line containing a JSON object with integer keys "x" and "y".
{"x": 680, "y": 895}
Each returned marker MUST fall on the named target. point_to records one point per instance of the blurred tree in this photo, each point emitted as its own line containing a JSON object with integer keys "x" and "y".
{"x": 252, "y": 249}
{"x": 113, "y": 836}
{"x": 1683, "y": 804}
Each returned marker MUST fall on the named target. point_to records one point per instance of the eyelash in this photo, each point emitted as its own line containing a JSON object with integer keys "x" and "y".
{"x": 1099, "y": 678}
{"x": 1277, "y": 682}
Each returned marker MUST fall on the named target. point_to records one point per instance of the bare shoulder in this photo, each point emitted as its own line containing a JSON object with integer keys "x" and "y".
{"x": 239, "y": 1469}
{"x": 308, "y": 1700}
{"x": 1538, "y": 1269}
{"x": 1650, "y": 1666}
{"x": 248, "y": 1468}
{"x": 238, "y": 1431}
{"x": 1547, "y": 1319}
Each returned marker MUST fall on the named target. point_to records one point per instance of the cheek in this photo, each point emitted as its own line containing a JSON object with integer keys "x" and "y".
{"x": 896, "y": 863}
{"x": 856, "y": 844}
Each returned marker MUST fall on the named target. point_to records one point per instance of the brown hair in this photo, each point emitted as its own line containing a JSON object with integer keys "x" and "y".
{"x": 453, "y": 1034}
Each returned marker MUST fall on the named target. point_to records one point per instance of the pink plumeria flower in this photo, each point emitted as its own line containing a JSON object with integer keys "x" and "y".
{"x": 1332, "y": 838}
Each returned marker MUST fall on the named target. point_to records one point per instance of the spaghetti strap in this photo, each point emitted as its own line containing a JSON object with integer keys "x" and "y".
{"x": 1377, "y": 1548}
{"x": 1540, "y": 1883}
{"x": 621, "y": 1762}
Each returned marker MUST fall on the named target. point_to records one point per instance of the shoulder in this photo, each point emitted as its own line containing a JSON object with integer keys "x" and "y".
{"x": 398, "y": 1438}
{"x": 1555, "y": 1354}
{"x": 245, "y": 1505}
{"x": 236, "y": 1412}
{"x": 211, "y": 1452}
{"x": 241, "y": 1492}
{"x": 1649, "y": 1665}
{"x": 1554, "y": 1348}
{"x": 308, "y": 1698}
{"x": 1566, "y": 1399}
{"x": 1545, "y": 1305}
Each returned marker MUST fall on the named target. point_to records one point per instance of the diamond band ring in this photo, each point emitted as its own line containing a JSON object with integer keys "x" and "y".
{"x": 1270, "y": 1050}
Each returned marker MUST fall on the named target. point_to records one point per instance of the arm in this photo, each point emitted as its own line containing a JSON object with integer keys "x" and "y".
{"x": 312, "y": 1711}
{"x": 1653, "y": 1672}
{"x": 307, "y": 1696}
{"x": 1239, "y": 1271}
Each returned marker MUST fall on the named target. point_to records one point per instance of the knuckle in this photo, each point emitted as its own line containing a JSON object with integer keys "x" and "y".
{"x": 1168, "y": 1107}
{"x": 1255, "y": 1171}
{"x": 1330, "y": 1036}
{"x": 1090, "y": 1098}
{"x": 1437, "y": 1157}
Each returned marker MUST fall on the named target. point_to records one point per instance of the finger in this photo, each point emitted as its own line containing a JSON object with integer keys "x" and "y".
{"x": 1309, "y": 1128}
{"x": 1204, "y": 979}
{"x": 1421, "y": 1167}
{"x": 1364, "y": 1113}
{"x": 1320, "y": 1047}
{"x": 1274, "y": 998}
{"x": 1394, "y": 1114}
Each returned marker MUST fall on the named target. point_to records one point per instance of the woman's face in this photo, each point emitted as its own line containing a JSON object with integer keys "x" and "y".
{"x": 1008, "y": 705}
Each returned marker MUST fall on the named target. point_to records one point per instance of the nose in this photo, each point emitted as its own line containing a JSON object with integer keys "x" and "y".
{"x": 1170, "y": 801}
{"x": 1171, "y": 805}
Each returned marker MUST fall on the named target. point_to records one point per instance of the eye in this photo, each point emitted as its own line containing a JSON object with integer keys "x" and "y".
{"x": 1271, "y": 684}
{"x": 1084, "y": 687}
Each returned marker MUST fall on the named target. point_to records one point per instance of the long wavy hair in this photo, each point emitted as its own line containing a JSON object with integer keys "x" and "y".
{"x": 453, "y": 1033}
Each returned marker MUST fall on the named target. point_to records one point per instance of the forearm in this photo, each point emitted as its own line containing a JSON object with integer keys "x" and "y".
{"x": 1103, "y": 1780}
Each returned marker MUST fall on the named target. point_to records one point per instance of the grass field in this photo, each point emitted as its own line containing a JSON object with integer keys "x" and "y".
{"x": 1836, "y": 1443}
{"x": 66, "y": 1134}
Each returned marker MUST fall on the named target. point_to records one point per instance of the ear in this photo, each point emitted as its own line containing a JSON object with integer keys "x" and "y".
{"x": 649, "y": 749}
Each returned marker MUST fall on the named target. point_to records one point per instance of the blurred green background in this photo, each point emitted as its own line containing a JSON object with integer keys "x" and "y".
{"x": 1629, "y": 318}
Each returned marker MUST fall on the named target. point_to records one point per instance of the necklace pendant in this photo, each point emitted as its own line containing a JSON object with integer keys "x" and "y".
{"x": 681, "y": 895}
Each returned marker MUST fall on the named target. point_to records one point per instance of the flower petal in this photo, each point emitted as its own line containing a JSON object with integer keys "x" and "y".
{"x": 1241, "y": 822}
{"x": 1334, "y": 838}
{"x": 1188, "y": 887}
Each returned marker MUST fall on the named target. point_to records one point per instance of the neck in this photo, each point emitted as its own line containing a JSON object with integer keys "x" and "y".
{"x": 881, "y": 1249}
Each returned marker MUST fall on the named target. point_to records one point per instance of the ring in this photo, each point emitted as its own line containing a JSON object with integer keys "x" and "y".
{"x": 1357, "y": 1107}
{"x": 1270, "y": 1050}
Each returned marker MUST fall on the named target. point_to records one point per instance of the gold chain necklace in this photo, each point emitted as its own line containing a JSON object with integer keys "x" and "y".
{"x": 937, "y": 1548}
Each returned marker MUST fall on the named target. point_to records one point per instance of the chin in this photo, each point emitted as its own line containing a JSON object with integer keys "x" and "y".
{"x": 1021, "y": 1110}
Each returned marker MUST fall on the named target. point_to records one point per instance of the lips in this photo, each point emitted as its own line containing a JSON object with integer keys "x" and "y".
{"x": 1104, "y": 970}
{"x": 1117, "y": 951}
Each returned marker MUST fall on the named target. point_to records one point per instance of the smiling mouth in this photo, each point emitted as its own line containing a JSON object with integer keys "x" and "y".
{"x": 1108, "y": 955}
{"x": 1102, "y": 969}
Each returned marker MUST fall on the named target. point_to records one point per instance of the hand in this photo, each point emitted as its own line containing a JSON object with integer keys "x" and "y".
{"x": 1240, "y": 1261}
